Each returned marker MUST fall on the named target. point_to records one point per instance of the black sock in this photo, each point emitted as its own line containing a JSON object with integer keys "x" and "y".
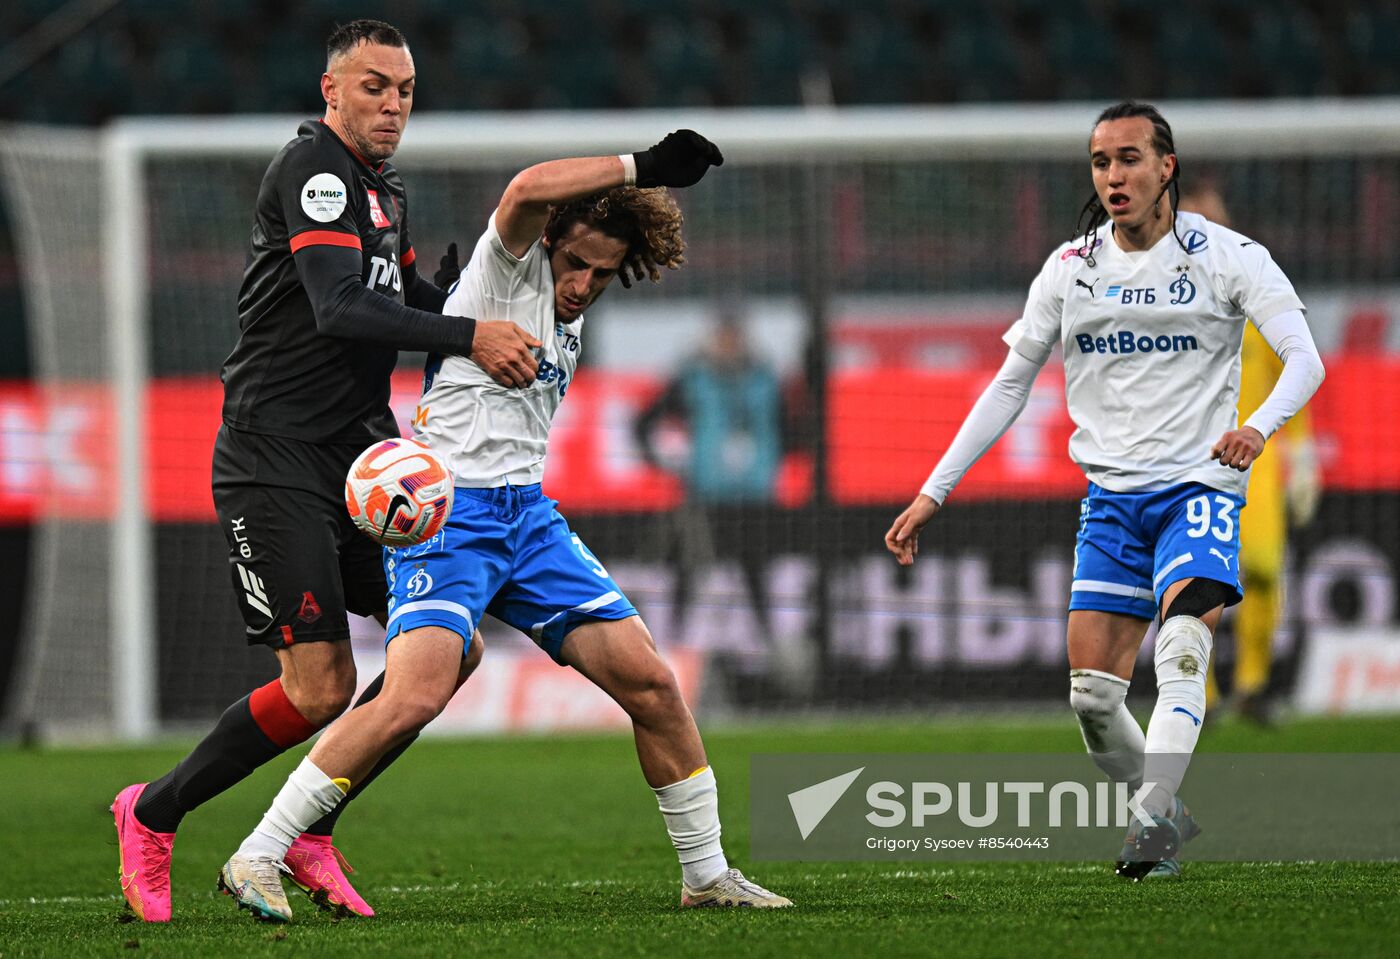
{"x": 233, "y": 749}
{"x": 326, "y": 824}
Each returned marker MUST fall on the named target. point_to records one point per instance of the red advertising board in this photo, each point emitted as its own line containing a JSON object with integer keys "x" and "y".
{"x": 887, "y": 428}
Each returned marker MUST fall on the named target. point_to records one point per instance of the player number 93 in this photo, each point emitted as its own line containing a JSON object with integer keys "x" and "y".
{"x": 1198, "y": 514}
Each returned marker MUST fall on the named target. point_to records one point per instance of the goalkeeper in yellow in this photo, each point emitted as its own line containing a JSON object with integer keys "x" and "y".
{"x": 1284, "y": 485}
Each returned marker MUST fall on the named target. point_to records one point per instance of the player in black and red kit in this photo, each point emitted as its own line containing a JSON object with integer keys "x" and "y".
{"x": 330, "y": 294}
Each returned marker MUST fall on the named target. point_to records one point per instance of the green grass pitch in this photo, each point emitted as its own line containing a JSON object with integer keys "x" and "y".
{"x": 552, "y": 846}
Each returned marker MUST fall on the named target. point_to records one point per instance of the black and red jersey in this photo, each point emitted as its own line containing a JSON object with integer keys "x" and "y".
{"x": 286, "y": 376}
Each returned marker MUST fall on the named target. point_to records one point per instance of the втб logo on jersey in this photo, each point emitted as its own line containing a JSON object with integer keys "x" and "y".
{"x": 1131, "y": 294}
{"x": 1181, "y": 289}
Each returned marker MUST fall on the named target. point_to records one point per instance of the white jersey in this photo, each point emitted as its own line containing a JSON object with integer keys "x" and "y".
{"x": 490, "y": 434}
{"x": 1152, "y": 349}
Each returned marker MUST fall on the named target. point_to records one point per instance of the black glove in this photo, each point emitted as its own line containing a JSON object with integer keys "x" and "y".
{"x": 448, "y": 268}
{"x": 680, "y": 159}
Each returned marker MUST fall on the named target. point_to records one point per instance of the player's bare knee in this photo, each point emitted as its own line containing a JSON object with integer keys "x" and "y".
{"x": 321, "y": 696}
{"x": 320, "y": 711}
{"x": 324, "y": 699}
{"x": 406, "y": 714}
{"x": 654, "y": 695}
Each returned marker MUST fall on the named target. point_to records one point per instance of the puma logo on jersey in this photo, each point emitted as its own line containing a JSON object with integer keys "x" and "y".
{"x": 1087, "y": 286}
{"x": 1220, "y": 556}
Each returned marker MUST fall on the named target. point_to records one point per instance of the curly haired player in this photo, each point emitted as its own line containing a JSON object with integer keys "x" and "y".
{"x": 563, "y": 231}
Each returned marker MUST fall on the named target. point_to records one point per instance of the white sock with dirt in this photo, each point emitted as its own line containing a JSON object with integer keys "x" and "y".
{"x": 691, "y": 810}
{"x": 1111, "y": 734}
{"x": 1183, "y": 651}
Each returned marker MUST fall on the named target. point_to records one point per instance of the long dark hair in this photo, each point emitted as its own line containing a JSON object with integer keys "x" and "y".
{"x": 1162, "y": 142}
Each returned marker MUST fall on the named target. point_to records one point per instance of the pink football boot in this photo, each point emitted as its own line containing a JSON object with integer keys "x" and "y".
{"x": 145, "y": 859}
{"x": 319, "y": 869}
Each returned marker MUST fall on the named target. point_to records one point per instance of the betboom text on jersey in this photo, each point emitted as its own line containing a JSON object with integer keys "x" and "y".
{"x": 1126, "y": 341}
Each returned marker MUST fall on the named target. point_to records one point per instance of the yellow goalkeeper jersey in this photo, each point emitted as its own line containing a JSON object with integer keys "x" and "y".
{"x": 1264, "y": 520}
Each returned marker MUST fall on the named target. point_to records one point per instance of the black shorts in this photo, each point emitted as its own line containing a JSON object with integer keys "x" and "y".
{"x": 296, "y": 561}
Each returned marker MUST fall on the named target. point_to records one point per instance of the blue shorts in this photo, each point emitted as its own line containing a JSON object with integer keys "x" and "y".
{"x": 1132, "y": 546}
{"x": 504, "y": 551}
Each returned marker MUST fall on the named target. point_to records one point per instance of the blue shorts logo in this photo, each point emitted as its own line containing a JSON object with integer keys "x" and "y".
{"x": 1195, "y": 241}
{"x": 1182, "y": 290}
{"x": 419, "y": 583}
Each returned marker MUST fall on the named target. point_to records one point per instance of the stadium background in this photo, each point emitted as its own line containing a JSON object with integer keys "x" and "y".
{"x": 874, "y": 288}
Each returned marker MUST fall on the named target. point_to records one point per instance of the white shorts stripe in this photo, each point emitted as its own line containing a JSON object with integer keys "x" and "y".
{"x": 1183, "y": 558}
{"x": 1113, "y": 589}
{"x": 438, "y": 604}
{"x": 601, "y": 601}
{"x": 537, "y": 631}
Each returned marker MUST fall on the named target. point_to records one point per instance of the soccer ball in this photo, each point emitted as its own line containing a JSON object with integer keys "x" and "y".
{"x": 399, "y": 492}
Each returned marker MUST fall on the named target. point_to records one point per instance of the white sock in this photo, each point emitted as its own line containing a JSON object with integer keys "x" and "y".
{"x": 691, "y": 810}
{"x": 1111, "y": 734}
{"x": 307, "y": 796}
{"x": 1183, "y": 650}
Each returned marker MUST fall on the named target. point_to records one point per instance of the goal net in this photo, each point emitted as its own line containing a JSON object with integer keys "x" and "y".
{"x": 739, "y": 436}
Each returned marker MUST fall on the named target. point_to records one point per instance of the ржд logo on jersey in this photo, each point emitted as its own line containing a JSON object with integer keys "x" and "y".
{"x": 384, "y": 272}
{"x": 1124, "y": 342}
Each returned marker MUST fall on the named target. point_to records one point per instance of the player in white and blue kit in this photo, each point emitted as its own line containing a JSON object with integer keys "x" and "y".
{"x": 1149, "y": 307}
{"x": 562, "y": 232}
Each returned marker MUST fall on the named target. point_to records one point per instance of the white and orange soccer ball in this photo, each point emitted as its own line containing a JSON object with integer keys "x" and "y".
{"x": 399, "y": 492}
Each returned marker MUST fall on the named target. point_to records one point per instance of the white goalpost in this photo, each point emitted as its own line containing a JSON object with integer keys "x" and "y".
{"x": 131, "y": 243}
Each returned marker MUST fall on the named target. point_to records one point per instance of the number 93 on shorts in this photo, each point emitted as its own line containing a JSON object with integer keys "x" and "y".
{"x": 1132, "y": 546}
{"x": 505, "y": 551}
